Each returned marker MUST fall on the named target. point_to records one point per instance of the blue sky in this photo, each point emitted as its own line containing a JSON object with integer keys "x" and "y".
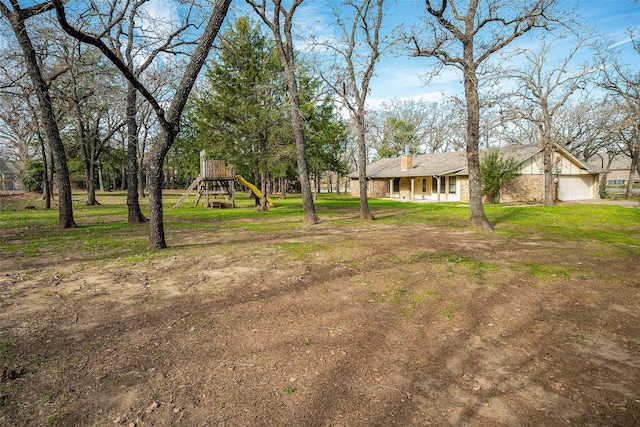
{"x": 401, "y": 77}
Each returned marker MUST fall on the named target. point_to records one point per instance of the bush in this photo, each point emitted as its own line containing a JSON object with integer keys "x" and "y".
{"x": 34, "y": 176}
{"x": 495, "y": 172}
{"x": 603, "y": 192}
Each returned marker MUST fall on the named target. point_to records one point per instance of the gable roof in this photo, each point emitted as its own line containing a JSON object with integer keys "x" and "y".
{"x": 423, "y": 165}
{"x": 438, "y": 164}
{"x": 455, "y": 163}
{"x": 620, "y": 162}
{"x": 590, "y": 168}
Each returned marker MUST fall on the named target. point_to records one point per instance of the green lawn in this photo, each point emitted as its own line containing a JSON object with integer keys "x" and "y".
{"x": 102, "y": 229}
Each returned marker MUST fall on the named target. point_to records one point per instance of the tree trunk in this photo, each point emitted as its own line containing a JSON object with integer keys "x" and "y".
{"x": 263, "y": 188}
{"x": 100, "y": 178}
{"x": 547, "y": 160}
{"x": 46, "y": 187}
{"x": 365, "y": 212}
{"x": 635, "y": 165}
{"x": 65, "y": 207}
{"x": 123, "y": 174}
{"x": 283, "y": 188}
{"x": 318, "y": 182}
{"x": 91, "y": 188}
{"x": 478, "y": 217}
{"x": 308, "y": 207}
{"x": 141, "y": 181}
{"x": 156, "y": 220}
{"x": 602, "y": 185}
{"x": 50, "y": 170}
{"x": 135, "y": 215}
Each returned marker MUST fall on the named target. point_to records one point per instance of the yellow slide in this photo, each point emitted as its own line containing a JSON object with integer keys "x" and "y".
{"x": 253, "y": 188}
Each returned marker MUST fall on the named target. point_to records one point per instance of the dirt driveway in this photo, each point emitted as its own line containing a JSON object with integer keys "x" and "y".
{"x": 350, "y": 324}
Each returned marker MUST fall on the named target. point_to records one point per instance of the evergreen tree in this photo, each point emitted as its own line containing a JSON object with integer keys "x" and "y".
{"x": 240, "y": 117}
{"x": 326, "y": 138}
{"x": 243, "y": 117}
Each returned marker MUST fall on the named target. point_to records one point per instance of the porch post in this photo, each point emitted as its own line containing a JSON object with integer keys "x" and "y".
{"x": 391, "y": 188}
{"x": 413, "y": 188}
{"x": 438, "y": 186}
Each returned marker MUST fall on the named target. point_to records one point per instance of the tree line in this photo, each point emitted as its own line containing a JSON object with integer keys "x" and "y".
{"x": 111, "y": 89}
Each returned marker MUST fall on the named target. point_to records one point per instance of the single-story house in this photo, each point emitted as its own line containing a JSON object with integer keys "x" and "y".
{"x": 618, "y": 171}
{"x": 445, "y": 177}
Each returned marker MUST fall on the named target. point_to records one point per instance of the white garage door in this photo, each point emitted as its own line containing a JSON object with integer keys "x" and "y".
{"x": 577, "y": 187}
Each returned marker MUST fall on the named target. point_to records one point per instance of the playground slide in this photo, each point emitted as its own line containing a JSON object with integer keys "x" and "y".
{"x": 253, "y": 188}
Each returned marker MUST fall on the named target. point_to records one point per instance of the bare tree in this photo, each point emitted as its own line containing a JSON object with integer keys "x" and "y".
{"x": 543, "y": 89}
{"x": 17, "y": 132}
{"x": 89, "y": 92}
{"x": 17, "y": 17}
{"x": 623, "y": 85}
{"x": 588, "y": 129}
{"x": 358, "y": 50}
{"x": 465, "y": 39}
{"x": 434, "y": 127}
{"x": 280, "y": 22}
{"x": 593, "y": 131}
{"x": 23, "y": 132}
{"x": 126, "y": 49}
{"x": 168, "y": 119}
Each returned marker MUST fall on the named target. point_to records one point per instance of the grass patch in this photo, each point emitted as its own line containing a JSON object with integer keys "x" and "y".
{"x": 581, "y": 337}
{"x": 410, "y": 300}
{"x": 476, "y": 268}
{"x": 609, "y": 224}
{"x": 300, "y": 250}
{"x": 542, "y": 271}
{"x": 48, "y": 397}
{"x": 103, "y": 232}
{"x": 8, "y": 352}
{"x": 450, "y": 311}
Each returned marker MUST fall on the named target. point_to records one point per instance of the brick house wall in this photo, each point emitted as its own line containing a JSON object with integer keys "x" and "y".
{"x": 523, "y": 188}
{"x": 378, "y": 188}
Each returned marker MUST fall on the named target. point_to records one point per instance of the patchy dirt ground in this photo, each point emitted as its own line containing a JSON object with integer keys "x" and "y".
{"x": 350, "y": 324}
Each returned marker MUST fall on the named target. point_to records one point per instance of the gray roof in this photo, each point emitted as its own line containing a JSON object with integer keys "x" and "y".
{"x": 423, "y": 165}
{"x": 620, "y": 162}
{"x": 451, "y": 163}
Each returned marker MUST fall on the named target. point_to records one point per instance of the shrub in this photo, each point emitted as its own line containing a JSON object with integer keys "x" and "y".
{"x": 495, "y": 172}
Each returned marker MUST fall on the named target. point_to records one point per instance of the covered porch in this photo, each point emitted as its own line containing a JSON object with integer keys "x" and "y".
{"x": 446, "y": 188}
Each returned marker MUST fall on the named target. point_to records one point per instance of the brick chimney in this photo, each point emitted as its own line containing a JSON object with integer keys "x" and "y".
{"x": 406, "y": 159}
{"x": 406, "y": 162}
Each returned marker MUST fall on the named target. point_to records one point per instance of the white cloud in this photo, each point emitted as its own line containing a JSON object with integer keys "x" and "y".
{"x": 160, "y": 18}
{"x": 316, "y": 20}
{"x": 411, "y": 83}
{"x": 375, "y": 103}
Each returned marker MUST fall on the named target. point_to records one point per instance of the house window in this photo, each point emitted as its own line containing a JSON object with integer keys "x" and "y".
{"x": 396, "y": 185}
{"x": 434, "y": 184}
{"x": 452, "y": 185}
{"x": 424, "y": 185}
